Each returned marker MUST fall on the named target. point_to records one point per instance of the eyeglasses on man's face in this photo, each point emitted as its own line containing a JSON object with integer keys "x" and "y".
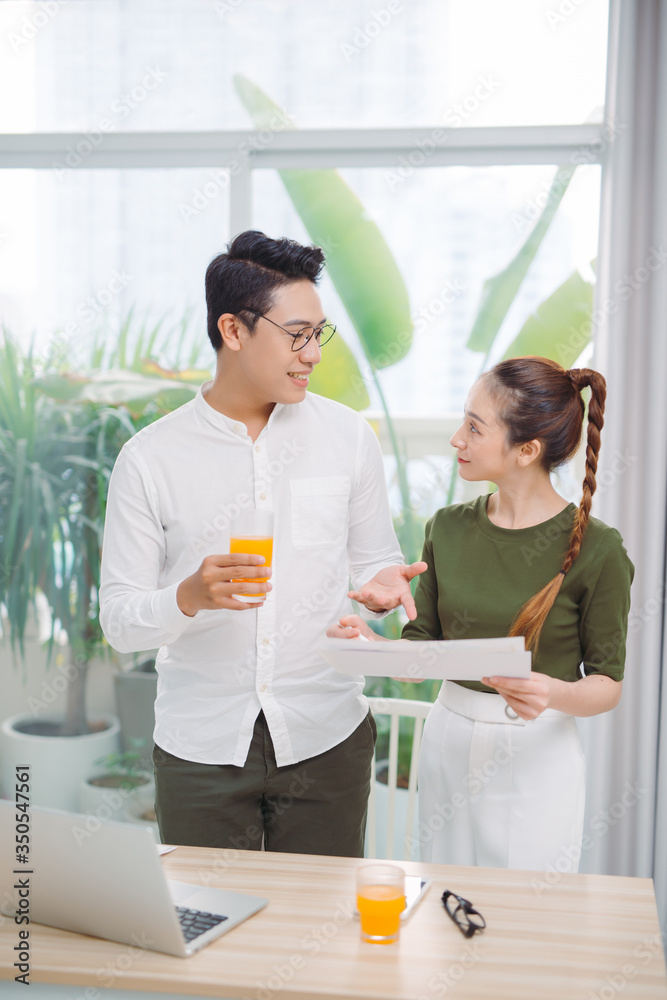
{"x": 463, "y": 913}
{"x": 322, "y": 334}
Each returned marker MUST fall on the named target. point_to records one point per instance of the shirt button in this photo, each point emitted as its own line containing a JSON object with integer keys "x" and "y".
{"x": 266, "y": 642}
{"x": 258, "y": 448}
{"x": 262, "y": 496}
{"x": 262, "y": 688}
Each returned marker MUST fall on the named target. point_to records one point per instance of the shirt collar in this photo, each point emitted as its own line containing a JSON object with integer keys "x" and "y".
{"x": 223, "y": 422}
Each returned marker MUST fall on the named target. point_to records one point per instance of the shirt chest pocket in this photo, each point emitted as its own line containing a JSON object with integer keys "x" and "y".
{"x": 319, "y": 511}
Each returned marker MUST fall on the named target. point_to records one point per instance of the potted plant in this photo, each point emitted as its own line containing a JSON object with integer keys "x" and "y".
{"x": 118, "y": 782}
{"x": 60, "y": 433}
{"x": 49, "y": 544}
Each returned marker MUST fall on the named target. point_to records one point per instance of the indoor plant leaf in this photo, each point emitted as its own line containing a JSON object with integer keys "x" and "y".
{"x": 338, "y": 377}
{"x": 560, "y": 328}
{"x": 499, "y": 292}
{"x": 114, "y": 387}
{"x": 149, "y": 367}
{"x": 359, "y": 261}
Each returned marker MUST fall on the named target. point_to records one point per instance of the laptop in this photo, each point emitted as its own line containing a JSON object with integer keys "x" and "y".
{"x": 105, "y": 879}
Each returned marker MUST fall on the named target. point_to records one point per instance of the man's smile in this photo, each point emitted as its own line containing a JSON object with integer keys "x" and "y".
{"x": 300, "y": 378}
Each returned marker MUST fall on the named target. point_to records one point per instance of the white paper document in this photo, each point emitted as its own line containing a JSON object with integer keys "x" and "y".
{"x": 448, "y": 659}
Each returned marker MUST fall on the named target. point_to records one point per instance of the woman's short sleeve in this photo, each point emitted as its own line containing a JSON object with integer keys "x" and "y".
{"x": 605, "y": 610}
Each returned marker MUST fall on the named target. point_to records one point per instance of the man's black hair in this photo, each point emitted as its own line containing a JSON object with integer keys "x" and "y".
{"x": 248, "y": 274}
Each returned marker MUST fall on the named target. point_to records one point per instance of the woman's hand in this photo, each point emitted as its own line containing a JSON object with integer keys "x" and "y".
{"x": 352, "y": 627}
{"x": 530, "y": 696}
{"x": 527, "y": 696}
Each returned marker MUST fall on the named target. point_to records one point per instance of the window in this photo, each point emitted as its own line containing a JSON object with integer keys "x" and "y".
{"x": 147, "y": 64}
{"x": 83, "y": 247}
{"x": 447, "y": 118}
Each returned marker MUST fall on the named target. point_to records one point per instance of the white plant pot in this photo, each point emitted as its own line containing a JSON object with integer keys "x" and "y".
{"x": 108, "y": 802}
{"x": 57, "y": 764}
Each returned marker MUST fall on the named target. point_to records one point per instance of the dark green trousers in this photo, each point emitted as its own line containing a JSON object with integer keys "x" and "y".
{"x": 317, "y": 806}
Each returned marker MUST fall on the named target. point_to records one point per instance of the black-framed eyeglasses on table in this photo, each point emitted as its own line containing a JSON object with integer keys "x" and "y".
{"x": 463, "y": 913}
{"x": 323, "y": 334}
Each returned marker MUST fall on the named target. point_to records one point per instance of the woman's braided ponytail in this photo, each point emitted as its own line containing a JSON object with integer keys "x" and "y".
{"x": 539, "y": 399}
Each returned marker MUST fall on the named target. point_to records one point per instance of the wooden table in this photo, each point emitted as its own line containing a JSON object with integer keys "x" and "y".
{"x": 580, "y": 937}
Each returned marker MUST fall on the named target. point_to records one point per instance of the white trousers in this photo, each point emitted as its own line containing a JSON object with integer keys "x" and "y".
{"x": 497, "y": 791}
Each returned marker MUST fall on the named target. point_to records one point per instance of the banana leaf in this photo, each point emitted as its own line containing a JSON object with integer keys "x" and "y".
{"x": 117, "y": 387}
{"x": 560, "y": 328}
{"x": 149, "y": 367}
{"x": 359, "y": 261}
{"x": 338, "y": 377}
{"x": 499, "y": 292}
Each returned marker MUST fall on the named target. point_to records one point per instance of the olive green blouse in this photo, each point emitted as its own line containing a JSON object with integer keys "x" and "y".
{"x": 480, "y": 575}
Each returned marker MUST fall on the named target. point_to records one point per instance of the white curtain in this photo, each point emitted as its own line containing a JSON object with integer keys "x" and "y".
{"x": 626, "y": 824}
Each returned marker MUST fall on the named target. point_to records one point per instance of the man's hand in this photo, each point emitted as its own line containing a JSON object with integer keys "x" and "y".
{"x": 211, "y": 587}
{"x": 527, "y": 696}
{"x": 389, "y": 588}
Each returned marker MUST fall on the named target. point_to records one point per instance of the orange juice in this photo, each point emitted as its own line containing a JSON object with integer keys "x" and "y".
{"x": 253, "y": 545}
{"x": 380, "y": 908}
{"x": 259, "y": 545}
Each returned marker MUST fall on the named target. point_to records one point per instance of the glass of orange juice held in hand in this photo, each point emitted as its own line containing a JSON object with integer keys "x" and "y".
{"x": 252, "y": 534}
{"x": 380, "y": 901}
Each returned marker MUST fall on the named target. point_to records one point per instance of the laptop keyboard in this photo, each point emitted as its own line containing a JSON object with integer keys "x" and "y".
{"x": 195, "y": 922}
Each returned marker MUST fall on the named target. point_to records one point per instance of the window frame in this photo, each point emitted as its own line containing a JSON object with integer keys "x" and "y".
{"x": 242, "y": 152}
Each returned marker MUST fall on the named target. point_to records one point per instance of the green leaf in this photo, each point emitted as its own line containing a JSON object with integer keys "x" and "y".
{"x": 560, "y": 329}
{"x": 500, "y": 291}
{"x": 59, "y": 437}
{"x": 146, "y": 366}
{"x": 18, "y": 498}
{"x": 359, "y": 261}
{"x": 116, "y": 387}
{"x": 170, "y": 398}
{"x": 63, "y": 387}
{"x": 338, "y": 377}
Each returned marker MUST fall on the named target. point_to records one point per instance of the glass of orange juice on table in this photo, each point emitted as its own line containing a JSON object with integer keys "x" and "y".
{"x": 252, "y": 534}
{"x": 380, "y": 901}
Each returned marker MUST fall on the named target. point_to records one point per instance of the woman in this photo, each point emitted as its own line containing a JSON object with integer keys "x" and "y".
{"x": 501, "y": 774}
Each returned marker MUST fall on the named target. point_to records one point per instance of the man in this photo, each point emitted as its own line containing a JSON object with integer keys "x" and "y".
{"x": 257, "y": 738}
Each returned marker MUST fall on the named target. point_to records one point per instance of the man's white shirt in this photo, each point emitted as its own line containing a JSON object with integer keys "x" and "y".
{"x": 174, "y": 493}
